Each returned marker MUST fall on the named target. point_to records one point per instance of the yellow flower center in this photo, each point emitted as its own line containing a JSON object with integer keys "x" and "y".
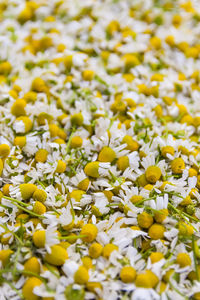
{"x": 92, "y": 169}
{"x": 90, "y": 231}
{"x": 178, "y": 165}
{"x": 156, "y": 231}
{"x": 153, "y": 174}
{"x": 107, "y": 154}
{"x": 81, "y": 276}
{"x": 28, "y": 288}
{"x": 57, "y": 257}
{"x": 4, "y": 150}
{"x": 128, "y": 274}
{"x": 95, "y": 250}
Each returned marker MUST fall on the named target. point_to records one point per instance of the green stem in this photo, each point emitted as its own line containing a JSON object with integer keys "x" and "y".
{"x": 27, "y": 210}
{"x": 31, "y": 212}
{"x": 16, "y": 261}
{"x": 144, "y": 200}
{"x": 181, "y": 214}
{"x": 113, "y": 204}
{"x": 114, "y": 178}
{"x": 14, "y": 288}
{"x": 29, "y": 273}
{"x": 195, "y": 258}
{"x": 49, "y": 267}
{"x": 15, "y": 200}
{"x": 175, "y": 289}
{"x": 40, "y": 183}
{"x": 71, "y": 237}
{"x": 69, "y": 141}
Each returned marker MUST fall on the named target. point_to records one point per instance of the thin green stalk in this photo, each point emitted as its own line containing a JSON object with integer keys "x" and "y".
{"x": 71, "y": 237}
{"x": 182, "y": 215}
{"x": 178, "y": 292}
{"x": 15, "y": 200}
{"x": 195, "y": 258}
{"x": 69, "y": 141}
{"x": 40, "y": 183}
{"x": 14, "y": 288}
{"x": 16, "y": 261}
{"x": 29, "y": 273}
{"x": 28, "y": 211}
{"x": 144, "y": 200}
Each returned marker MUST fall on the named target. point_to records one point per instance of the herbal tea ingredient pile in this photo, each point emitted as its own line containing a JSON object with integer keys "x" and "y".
{"x": 99, "y": 149}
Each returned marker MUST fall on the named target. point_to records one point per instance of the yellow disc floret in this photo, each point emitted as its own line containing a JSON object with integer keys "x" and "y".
{"x": 130, "y": 61}
{"x": 25, "y": 15}
{"x": 28, "y": 288}
{"x": 92, "y": 286}
{"x": 5, "y": 68}
{"x": 183, "y": 259}
{"x": 40, "y": 195}
{"x": 5, "y": 256}
{"x": 185, "y": 229}
{"x": 39, "y": 208}
{"x": 127, "y": 274}
{"x": 156, "y": 231}
{"x": 145, "y": 220}
{"x": 39, "y": 85}
{"x": 76, "y": 142}
{"x": 57, "y": 257}
{"x": 156, "y": 256}
{"x": 87, "y": 262}
{"x": 107, "y": 154}
{"x": 61, "y": 166}
{"x": 77, "y": 195}
{"x": 153, "y": 174}
{"x": 92, "y": 169}
{"x": 132, "y": 145}
{"x": 167, "y": 150}
{"x": 77, "y": 119}
{"x": 41, "y": 155}
{"x": 18, "y": 108}
{"x": 32, "y": 265}
{"x": 27, "y": 190}
{"x": 6, "y": 189}
{"x": 136, "y": 198}
{"x": 95, "y": 250}
{"x": 30, "y": 96}
{"x": 108, "y": 249}
{"x": 39, "y": 238}
{"x": 81, "y": 276}
{"x": 178, "y": 165}
{"x": 192, "y": 172}
{"x": 160, "y": 215}
{"x": 4, "y": 150}
{"x": 1, "y": 166}
{"x": 84, "y": 184}
{"x": 155, "y": 42}
{"x": 20, "y": 141}
{"x": 53, "y": 129}
{"x": 88, "y": 75}
{"x": 123, "y": 163}
{"x": 146, "y": 280}
{"x": 27, "y": 123}
{"x": 90, "y": 231}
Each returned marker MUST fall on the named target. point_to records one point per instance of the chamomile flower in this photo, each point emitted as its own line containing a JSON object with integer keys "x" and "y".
{"x": 46, "y": 238}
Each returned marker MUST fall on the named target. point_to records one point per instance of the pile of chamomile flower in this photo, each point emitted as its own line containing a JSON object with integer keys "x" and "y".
{"x": 99, "y": 149}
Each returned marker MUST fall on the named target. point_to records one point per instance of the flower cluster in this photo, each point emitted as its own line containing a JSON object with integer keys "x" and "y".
{"x": 99, "y": 149}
